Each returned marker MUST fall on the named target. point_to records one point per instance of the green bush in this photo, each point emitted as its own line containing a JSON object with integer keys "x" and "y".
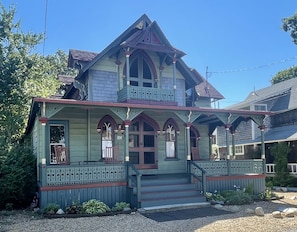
{"x": 120, "y": 206}
{"x": 94, "y": 206}
{"x": 237, "y": 197}
{"x": 17, "y": 177}
{"x": 74, "y": 208}
{"x": 51, "y": 208}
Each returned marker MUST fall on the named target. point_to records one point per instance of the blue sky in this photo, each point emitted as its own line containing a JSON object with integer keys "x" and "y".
{"x": 240, "y": 41}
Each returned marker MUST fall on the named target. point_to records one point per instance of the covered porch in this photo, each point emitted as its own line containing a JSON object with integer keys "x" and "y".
{"x": 97, "y": 150}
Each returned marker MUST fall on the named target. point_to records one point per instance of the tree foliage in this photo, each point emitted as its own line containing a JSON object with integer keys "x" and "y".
{"x": 290, "y": 24}
{"x": 284, "y": 75}
{"x": 280, "y": 153}
{"x": 23, "y": 74}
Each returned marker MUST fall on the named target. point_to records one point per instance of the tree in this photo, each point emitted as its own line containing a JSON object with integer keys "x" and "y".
{"x": 290, "y": 24}
{"x": 284, "y": 75}
{"x": 280, "y": 153}
{"x": 23, "y": 74}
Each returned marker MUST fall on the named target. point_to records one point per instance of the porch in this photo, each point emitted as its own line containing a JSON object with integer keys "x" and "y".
{"x": 113, "y": 183}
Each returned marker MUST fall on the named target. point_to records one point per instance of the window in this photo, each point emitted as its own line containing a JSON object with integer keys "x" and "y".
{"x": 58, "y": 134}
{"x": 170, "y": 129}
{"x": 107, "y": 126}
{"x": 142, "y": 72}
{"x": 260, "y": 107}
{"x": 239, "y": 150}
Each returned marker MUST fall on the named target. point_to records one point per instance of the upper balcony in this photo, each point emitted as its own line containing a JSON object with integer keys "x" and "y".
{"x": 152, "y": 96}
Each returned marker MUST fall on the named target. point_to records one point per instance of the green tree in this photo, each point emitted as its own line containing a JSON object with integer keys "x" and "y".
{"x": 284, "y": 75}
{"x": 290, "y": 24}
{"x": 280, "y": 153}
{"x": 23, "y": 74}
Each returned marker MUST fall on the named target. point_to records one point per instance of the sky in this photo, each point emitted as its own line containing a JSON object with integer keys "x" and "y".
{"x": 237, "y": 45}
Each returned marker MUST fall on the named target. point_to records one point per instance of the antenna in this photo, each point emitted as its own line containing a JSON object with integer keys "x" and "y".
{"x": 44, "y": 33}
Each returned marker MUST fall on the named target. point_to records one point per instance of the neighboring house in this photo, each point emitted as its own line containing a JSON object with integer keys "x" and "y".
{"x": 134, "y": 126}
{"x": 281, "y": 126}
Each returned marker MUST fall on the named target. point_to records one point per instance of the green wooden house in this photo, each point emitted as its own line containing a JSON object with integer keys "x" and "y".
{"x": 135, "y": 125}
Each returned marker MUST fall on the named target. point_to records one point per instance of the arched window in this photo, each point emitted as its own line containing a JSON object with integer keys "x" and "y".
{"x": 142, "y": 71}
{"x": 171, "y": 131}
{"x": 106, "y": 127}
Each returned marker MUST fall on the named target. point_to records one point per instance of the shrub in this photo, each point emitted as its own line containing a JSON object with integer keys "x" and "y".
{"x": 94, "y": 206}
{"x": 237, "y": 197}
{"x": 51, "y": 208}
{"x": 17, "y": 177}
{"x": 120, "y": 206}
{"x": 74, "y": 208}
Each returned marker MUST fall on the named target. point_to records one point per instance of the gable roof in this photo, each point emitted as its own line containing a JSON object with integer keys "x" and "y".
{"x": 205, "y": 89}
{"x": 77, "y": 57}
{"x": 134, "y": 36}
{"x": 283, "y": 93}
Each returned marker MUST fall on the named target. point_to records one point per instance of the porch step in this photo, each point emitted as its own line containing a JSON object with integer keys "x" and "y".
{"x": 164, "y": 190}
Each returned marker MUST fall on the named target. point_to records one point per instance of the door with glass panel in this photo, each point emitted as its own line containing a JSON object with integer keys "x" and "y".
{"x": 142, "y": 144}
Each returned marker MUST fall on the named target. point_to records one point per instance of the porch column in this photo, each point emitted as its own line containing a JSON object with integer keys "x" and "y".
{"x": 188, "y": 137}
{"x": 128, "y": 53}
{"x": 227, "y": 127}
{"x": 174, "y": 77}
{"x": 262, "y": 128}
{"x": 118, "y": 63}
{"x": 159, "y": 83}
{"x": 127, "y": 123}
{"x": 233, "y": 142}
{"x": 210, "y": 145}
{"x": 263, "y": 156}
{"x": 43, "y": 120}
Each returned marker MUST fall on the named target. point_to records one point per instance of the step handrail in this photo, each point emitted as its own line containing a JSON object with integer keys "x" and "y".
{"x": 131, "y": 180}
{"x": 195, "y": 175}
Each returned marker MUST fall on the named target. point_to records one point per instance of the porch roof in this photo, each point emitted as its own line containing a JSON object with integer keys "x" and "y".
{"x": 208, "y": 115}
{"x": 274, "y": 135}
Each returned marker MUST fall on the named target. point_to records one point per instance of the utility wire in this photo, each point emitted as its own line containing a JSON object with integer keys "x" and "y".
{"x": 45, "y": 22}
{"x": 255, "y": 67}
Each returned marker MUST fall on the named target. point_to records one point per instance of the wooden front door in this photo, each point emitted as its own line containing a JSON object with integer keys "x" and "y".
{"x": 142, "y": 144}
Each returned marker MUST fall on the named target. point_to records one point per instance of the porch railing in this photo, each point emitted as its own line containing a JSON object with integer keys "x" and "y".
{"x": 132, "y": 182}
{"x": 142, "y": 93}
{"x": 81, "y": 174}
{"x": 270, "y": 168}
{"x": 232, "y": 167}
{"x": 199, "y": 173}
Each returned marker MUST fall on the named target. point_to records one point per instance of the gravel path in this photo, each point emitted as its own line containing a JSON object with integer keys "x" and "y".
{"x": 237, "y": 222}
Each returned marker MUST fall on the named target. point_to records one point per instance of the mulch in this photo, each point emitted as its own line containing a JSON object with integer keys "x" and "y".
{"x": 184, "y": 214}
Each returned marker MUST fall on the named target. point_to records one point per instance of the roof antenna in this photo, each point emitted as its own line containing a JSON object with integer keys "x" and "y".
{"x": 254, "y": 92}
{"x": 44, "y": 33}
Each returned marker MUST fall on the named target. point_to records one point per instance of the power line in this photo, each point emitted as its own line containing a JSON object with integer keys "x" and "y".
{"x": 45, "y": 22}
{"x": 255, "y": 67}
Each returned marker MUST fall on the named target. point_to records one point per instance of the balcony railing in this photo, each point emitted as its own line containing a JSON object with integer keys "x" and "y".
{"x": 148, "y": 94}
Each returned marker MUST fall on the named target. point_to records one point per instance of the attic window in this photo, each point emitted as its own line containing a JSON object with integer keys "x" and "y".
{"x": 260, "y": 107}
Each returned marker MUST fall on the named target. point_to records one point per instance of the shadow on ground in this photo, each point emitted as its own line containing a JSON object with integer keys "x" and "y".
{"x": 184, "y": 214}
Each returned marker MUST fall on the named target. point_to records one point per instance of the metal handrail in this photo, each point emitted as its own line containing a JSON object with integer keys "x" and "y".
{"x": 195, "y": 175}
{"x": 131, "y": 181}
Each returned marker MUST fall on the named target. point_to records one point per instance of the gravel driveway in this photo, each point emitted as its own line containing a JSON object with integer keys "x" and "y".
{"x": 237, "y": 222}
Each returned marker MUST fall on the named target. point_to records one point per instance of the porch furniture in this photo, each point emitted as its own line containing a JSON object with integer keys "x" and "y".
{"x": 112, "y": 155}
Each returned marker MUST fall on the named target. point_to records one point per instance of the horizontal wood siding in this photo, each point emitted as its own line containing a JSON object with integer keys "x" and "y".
{"x": 64, "y": 197}
{"x": 221, "y": 183}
